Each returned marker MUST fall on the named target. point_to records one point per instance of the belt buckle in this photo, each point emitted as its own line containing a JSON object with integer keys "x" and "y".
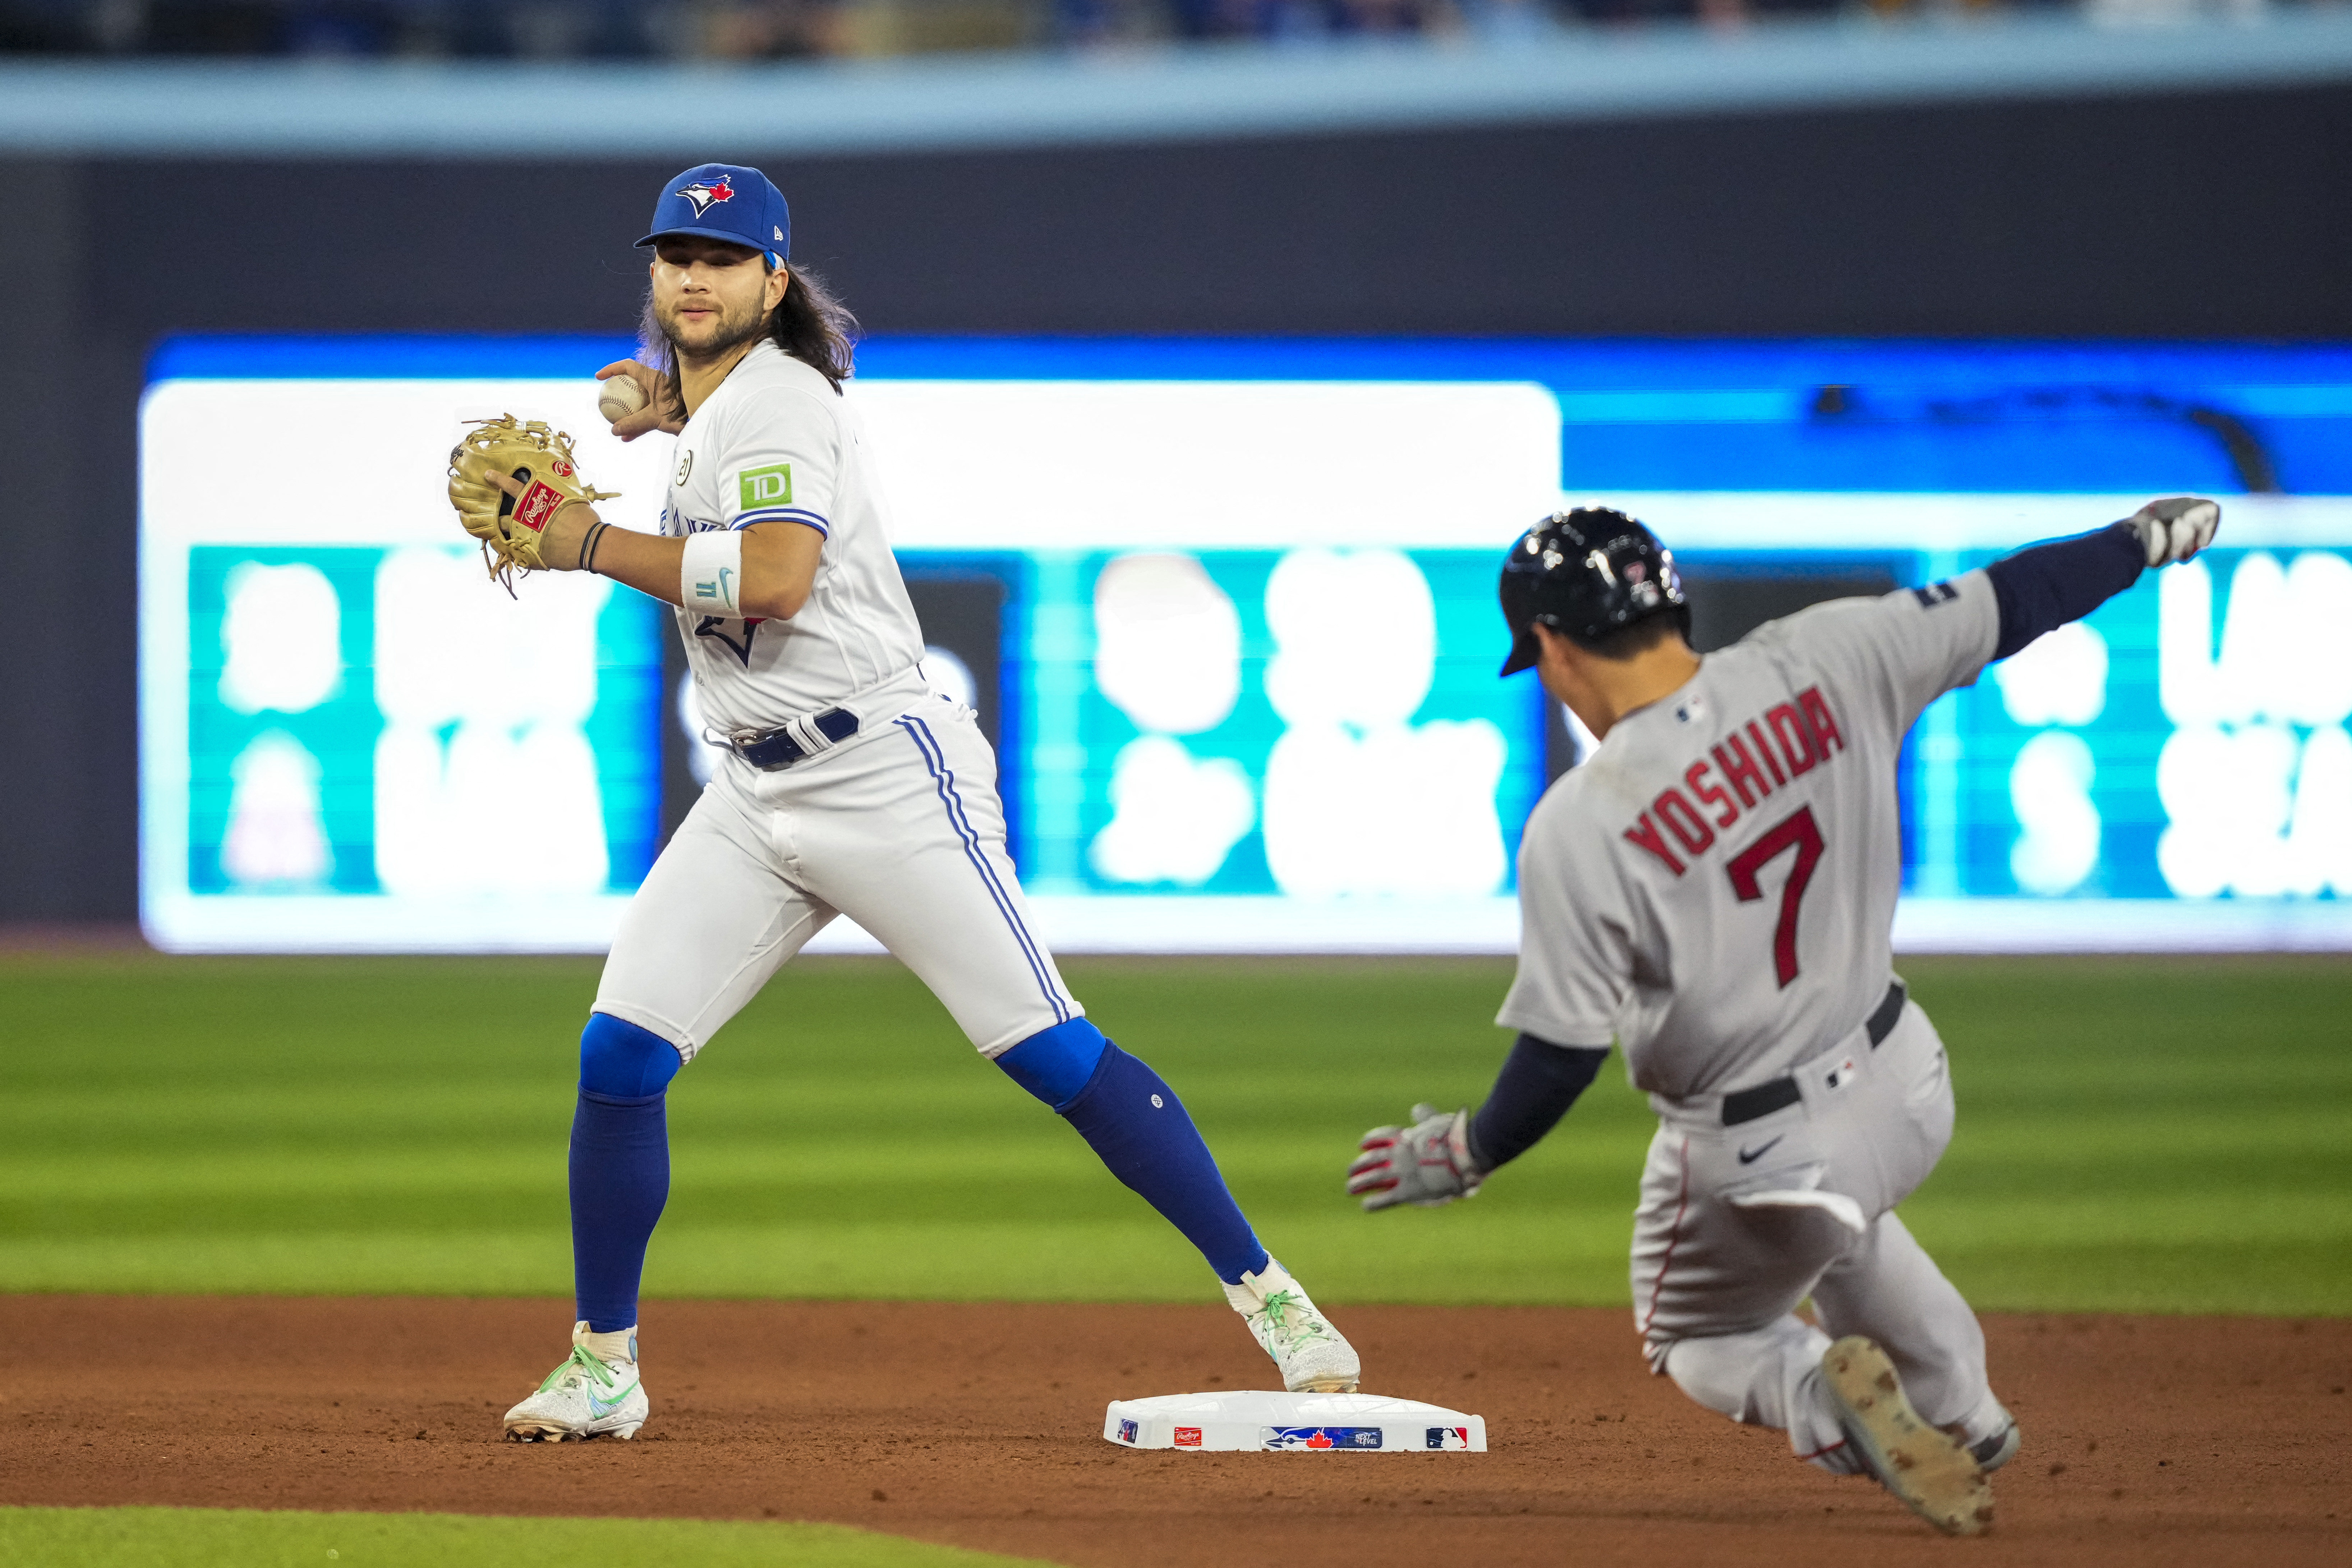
{"x": 770, "y": 750}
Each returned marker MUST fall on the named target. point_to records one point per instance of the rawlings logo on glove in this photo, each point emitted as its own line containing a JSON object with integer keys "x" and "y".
{"x": 512, "y": 528}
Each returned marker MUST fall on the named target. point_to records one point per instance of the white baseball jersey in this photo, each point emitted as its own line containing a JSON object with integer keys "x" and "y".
{"x": 1715, "y": 887}
{"x": 776, "y": 443}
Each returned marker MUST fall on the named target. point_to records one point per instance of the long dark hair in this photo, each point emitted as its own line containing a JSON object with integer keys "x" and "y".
{"x": 809, "y": 323}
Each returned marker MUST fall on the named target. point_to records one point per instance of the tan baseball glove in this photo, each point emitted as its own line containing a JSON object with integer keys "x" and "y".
{"x": 509, "y": 526}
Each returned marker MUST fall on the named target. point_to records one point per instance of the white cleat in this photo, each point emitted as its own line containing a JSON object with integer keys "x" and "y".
{"x": 1310, "y": 1354}
{"x": 587, "y": 1396}
{"x": 1933, "y": 1472}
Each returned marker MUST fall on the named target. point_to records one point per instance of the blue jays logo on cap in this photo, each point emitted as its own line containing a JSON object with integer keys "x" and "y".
{"x": 728, "y": 202}
{"x": 703, "y": 196}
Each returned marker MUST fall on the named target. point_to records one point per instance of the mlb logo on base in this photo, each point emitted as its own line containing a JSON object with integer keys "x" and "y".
{"x": 1449, "y": 1438}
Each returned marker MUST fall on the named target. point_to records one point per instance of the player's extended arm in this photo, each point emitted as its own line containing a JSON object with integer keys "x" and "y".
{"x": 777, "y": 570}
{"x": 2041, "y": 588}
{"x": 1444, "y": 1155}
{"x": 770, "y": 566}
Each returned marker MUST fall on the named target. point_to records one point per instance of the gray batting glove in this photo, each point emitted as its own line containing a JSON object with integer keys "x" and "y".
{"x": 2175, "y": 528}
{"x": 1427, "y": 1164}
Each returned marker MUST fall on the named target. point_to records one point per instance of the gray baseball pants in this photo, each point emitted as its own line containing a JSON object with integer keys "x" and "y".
{"x": 1740, "y": 1225}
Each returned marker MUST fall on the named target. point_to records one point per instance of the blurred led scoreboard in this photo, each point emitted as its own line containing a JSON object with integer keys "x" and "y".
{"x": 1228, "y": 611}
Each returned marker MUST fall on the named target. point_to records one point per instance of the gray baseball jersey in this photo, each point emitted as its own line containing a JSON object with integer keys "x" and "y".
{"x": 1715, "y": 887}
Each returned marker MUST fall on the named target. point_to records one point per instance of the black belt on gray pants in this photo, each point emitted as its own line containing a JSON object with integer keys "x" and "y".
{"x": 1767, "y": 1097}
{"x": 776, "y": 749}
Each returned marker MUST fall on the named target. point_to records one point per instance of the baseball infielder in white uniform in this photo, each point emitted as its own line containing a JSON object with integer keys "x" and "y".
{"x": 850, "y": 787}
{"x": 1714, "y": 890}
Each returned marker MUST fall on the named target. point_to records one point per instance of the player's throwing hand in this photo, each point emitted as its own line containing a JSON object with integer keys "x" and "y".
{"x": 1427, "y": 1164}
{"x": 656, "y": 409}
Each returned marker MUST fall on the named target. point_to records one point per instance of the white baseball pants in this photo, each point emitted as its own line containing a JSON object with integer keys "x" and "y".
{"x": 1739, "y": 1224}
{"x": 899, "y": 828}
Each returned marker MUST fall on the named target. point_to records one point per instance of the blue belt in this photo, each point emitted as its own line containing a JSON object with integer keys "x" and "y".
{"x": 772, "y": 750}
{"x": 1767, "y": 1097}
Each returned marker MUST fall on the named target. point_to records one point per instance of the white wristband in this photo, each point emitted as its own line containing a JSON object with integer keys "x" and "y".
{"x": 710, "y": 574}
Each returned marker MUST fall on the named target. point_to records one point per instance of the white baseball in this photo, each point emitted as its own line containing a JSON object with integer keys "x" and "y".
{"x": 619, "y": 397}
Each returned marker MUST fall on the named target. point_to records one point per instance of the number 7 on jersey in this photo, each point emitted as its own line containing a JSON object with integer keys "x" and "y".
{"x": 1796, "y": 831}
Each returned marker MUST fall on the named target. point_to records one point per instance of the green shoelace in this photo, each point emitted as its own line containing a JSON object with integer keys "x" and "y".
{"x": 1277, "y": 1317}
{"x": 580, "y": 1358}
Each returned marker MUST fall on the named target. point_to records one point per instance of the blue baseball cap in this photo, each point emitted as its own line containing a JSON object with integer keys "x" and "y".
{"x": 728, "y": 201}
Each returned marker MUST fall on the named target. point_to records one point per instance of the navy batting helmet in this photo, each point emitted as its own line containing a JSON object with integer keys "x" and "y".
{"x": 1585, "y": 573}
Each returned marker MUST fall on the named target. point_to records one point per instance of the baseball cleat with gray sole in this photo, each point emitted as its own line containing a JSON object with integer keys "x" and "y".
{"x": 1933, "y": 1472}
{"x": 1311, "y": 1355}
{"x": 586, "y": 1396}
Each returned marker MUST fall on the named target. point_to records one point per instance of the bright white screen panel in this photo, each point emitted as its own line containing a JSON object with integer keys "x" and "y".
{"x": 1241, "y": 636}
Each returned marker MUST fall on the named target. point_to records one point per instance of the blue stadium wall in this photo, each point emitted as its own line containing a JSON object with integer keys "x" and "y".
{"x": 2212, "y": 216}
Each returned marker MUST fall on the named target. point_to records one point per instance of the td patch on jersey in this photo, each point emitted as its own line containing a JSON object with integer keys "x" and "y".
{"x": 770, "y": 486}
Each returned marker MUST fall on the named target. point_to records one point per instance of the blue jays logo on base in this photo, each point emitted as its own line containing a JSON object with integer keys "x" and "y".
{"x": 1126, "y": 1431}
{"x": 1448, "y": 1438}
{"x": 1318, "y": 1437}
{"x": 705, "y": 198}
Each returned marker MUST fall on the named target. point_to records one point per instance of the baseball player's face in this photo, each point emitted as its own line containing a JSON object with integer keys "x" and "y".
{"x": 711, "y": 296}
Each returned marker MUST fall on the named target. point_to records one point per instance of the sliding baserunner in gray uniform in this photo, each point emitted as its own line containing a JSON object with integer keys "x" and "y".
{"x": 1714, "y": 890}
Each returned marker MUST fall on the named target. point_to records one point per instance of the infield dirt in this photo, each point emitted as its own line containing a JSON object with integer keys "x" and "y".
{"x": 2147, "y": 1439}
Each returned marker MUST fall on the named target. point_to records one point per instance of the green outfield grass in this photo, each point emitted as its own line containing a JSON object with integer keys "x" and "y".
{"x": 203, "y": 1537}
{"x": 2137, "y": 1134}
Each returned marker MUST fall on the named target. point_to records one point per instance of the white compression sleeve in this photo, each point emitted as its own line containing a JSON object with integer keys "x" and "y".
{"x": 710, "y": 574}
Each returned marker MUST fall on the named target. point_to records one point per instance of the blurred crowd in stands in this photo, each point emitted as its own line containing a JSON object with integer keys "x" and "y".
{"x": 779, "y": 29}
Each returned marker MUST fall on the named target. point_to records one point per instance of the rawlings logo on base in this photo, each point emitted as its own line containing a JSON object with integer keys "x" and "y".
{"x": 1187, "y": 1437}
{"x": 537, "y": 505}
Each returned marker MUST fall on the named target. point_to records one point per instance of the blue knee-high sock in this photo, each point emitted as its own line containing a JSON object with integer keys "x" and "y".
{"x": 620, "y": 1166}
{"x": 1134, "y": 1121}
